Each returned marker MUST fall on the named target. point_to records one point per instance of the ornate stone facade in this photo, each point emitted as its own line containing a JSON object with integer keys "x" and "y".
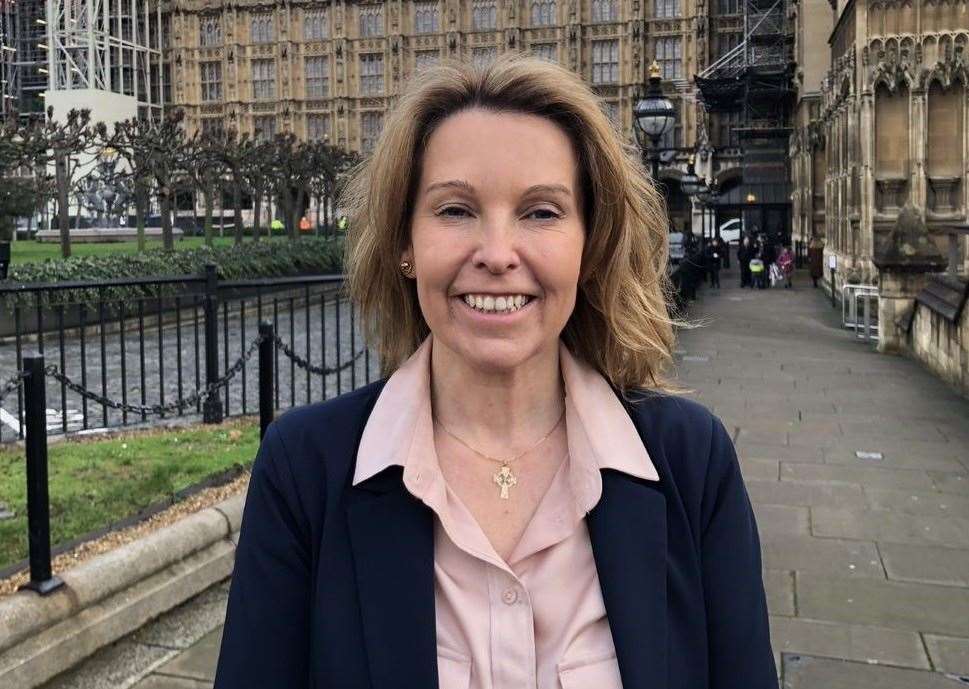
{"x": 888, "y": 128}
{"x": 333, "y": 68}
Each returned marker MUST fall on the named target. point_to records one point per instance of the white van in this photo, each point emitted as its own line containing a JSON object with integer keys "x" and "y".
{"x": 731, "y": 230}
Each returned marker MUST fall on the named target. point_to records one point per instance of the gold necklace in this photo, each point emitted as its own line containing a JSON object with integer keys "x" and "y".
{"x": 504, "y": 477}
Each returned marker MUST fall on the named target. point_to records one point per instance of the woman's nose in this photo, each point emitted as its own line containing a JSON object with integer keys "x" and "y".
{"x": 497, "y": 250}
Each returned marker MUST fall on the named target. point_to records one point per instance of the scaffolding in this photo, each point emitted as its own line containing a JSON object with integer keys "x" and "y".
{"x": 107, "y": 45}
{"x": 755, "y": 78}
{"x": 23, "y": 58}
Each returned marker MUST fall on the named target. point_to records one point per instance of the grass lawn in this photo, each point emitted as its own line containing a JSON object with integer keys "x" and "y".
{"x": 96, "y": 482}
{"x": 30, "y": 251}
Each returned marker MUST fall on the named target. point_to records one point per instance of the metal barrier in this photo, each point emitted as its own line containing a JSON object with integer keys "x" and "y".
{"x": 32, "y": 382}
{"x": 856, "y": 300}
{"x": 146, "y": 341}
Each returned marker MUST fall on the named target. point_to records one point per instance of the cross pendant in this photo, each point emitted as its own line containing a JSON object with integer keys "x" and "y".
{"x": 505, "y": 479}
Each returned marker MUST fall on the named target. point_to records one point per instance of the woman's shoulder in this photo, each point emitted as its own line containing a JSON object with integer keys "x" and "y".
{"x": 326, "y": 430}
{"x": 684, "y": 437}
{"x": 669, "y": 411}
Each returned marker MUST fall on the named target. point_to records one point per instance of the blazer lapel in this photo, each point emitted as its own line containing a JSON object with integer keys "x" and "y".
{"x": 392, "y": 539}
{"x": 627, "y": 529}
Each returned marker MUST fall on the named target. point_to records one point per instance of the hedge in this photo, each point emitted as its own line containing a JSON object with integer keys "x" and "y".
{"x": 264, "y": 259}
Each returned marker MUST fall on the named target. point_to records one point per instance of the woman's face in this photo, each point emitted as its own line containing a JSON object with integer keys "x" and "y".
{"x": 497, "y": 236}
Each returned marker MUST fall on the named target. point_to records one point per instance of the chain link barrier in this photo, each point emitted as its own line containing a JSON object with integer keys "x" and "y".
{"x": 200, "y": 395}
{"x": 318, "y": 370}
{"x": 12, "y": 383}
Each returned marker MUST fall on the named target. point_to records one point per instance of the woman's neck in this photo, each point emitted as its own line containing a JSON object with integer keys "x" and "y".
{"x": 498, "y": 414}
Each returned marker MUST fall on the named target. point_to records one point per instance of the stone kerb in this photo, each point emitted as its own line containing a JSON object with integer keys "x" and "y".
{"x": 115, "y": 593}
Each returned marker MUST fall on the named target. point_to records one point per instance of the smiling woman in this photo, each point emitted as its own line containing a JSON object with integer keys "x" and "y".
{"x": 521, "y": 501}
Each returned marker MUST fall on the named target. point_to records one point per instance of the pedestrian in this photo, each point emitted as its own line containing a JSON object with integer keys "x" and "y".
{"x": 692, "y": 266}
{"x": 714, "y": 256}
{"x": 758, "y": 271}
{"x": 521, "y": 500}
{"x": 745, "y": 252}
{"x": 785, "y": 261}
{"x": 816, "y": 259}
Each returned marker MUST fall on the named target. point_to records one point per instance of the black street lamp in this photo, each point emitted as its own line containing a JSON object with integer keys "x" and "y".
{"x": 693, "y": 186}
{"x": 653, "y": 117}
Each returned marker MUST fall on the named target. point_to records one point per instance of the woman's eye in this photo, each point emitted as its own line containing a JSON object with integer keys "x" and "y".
{"x": 446, "y": 212}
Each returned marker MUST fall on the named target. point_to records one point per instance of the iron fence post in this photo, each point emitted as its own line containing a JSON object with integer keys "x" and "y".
{"x": 266, "y": 347}
{"x": 42, "y": 579}
{"x": 212, "y": 407}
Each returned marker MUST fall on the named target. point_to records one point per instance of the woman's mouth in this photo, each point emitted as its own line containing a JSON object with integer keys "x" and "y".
{"x": 490, "y": 307}
{"x": 490, "y": 303}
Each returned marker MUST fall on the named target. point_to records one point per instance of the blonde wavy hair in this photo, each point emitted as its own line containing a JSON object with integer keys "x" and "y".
{"x": 621, "y": 324}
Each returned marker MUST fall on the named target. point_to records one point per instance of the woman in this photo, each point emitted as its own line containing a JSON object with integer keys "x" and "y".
{"x": 521, "y": 503}
{"x": 785, "y": 261}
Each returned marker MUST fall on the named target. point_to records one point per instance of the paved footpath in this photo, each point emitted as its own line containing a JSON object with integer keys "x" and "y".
{"x": 866, "y": 560}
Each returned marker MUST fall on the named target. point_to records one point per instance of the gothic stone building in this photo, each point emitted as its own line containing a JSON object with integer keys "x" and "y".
{"x": 331, "y": 69}
{"x": 886, "y": 127}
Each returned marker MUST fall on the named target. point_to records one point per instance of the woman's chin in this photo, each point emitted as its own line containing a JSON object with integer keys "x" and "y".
{"x": 494, "y": 354}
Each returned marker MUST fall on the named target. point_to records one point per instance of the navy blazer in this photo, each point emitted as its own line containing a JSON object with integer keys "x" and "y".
{"x": 334, "y": 583}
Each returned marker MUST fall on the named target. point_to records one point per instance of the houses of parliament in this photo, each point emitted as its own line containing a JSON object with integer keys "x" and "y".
{"x": 333, "y": 68}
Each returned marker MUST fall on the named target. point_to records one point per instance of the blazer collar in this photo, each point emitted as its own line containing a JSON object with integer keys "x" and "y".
{"x": 392, "y": 540}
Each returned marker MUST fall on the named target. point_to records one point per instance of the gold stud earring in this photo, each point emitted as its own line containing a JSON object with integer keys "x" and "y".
{"x": 407, "y": 269}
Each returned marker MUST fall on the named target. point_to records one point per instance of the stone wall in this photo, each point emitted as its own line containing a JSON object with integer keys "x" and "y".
{"x": 942, "y": 345}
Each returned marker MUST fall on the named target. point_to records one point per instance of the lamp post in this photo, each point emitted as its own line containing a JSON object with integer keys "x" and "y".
{"x": 693, "y": 186}
{"x": 653, "y": 117}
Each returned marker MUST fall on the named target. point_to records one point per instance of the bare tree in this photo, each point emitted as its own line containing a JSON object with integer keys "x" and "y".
{"x": 258, "y": 171}
{"x": 61, "y": 144}
{"x": 293, "y": 174}
{"x": 204, "y": 164}
{"x": 155, "y": 153}
{"x": 232, "y": 151}
{"x": 329, "y": 166}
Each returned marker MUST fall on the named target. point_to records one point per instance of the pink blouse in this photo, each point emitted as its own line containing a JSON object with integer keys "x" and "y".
{"x": 537, "y": 620}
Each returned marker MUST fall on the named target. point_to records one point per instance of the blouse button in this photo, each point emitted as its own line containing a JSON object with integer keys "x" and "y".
{"x": 510, "y": 596}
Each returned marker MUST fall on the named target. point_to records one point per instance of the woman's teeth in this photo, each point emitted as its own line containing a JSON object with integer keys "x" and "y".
{"x": 492, "y": 304}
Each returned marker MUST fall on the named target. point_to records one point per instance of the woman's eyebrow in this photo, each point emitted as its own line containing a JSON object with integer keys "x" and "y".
{"x": 462, "y": 184}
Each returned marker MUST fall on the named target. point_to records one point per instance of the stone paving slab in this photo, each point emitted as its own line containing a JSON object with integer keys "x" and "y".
{"x": 779, "y": 587}
{"x": 890, "y": 527}
{"x": 782, "y": 520}
{"x": 917, "y": 502}
{"x": 784, "y": 453}
{"x": 906, "y": 606}
{"x": 805, "y": 494}
{"x": 822, "y": 556}
{"x": 763, "y": 469}
{"x": 895, "y": 454}
{"x": 862, "y": 475}
{"x": 805, "y": 672}
{"x": 848, "y": 641}
{"x": 948, "y": 482}
{"x": 924, "y": 564}
{"x": 196, "y": 662}
{"x": 948, "y": 654}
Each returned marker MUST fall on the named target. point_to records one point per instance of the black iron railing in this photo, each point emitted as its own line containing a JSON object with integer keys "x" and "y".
{"x": 32, "y": 381}
{"x": 146, "y": 342}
